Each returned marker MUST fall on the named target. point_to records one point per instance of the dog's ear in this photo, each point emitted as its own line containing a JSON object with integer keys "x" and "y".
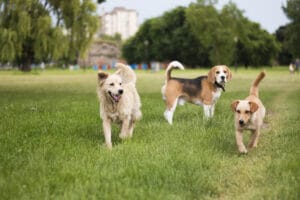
{"x": 102, "y": 76}
{"x": 234, "y": 105}
{"x": 229, "y": 74}
{"x": 211, "y": 75}
{"x": 253, "y": 106}
{"x": 126, "y": 73}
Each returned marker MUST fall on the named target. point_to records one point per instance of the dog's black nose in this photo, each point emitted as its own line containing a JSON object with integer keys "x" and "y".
{"x": 241, "y": 122}
{"x": 223, "y": 77}
{"x": 120, "y": 91}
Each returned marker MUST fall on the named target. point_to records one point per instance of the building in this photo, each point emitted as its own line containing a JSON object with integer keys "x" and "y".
{"x": 101, "y": 53}
{"x": 120, "y": 20}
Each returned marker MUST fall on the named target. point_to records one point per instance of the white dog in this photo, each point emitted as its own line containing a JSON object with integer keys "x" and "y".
{"x": 119, "y": 101}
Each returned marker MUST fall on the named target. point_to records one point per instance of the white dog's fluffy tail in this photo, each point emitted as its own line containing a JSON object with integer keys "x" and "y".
{"x": 173, "y": 64}
{"x": 126, "y": 73}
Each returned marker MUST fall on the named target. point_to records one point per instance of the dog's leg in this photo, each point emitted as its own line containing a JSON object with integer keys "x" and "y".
{"x": 107, "y": 133}
{"x": 239, "y": 141}
{"x": 212, "y": 112}
{"x": 125, "y": 128}
{"x": 163, "y": 91}
{"x": 131, "y": 127}
{"x": 254, "y": 139}
{"x": 170, "y": 111}
{"x": 181, "y": 101}
{"x": 208, "y": 111}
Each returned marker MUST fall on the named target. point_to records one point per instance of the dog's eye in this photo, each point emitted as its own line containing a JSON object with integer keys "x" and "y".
{"x": 225, "y": 72}
{"x": 112, "y": 84}
{"x": 247, "y": 112}
{"x": 238, "y": 111}
{"x": 120, "y": 83}
{"x": 217, "y": 72}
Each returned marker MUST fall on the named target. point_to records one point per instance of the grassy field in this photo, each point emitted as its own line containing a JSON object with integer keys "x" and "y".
{"x": 51, "y": 142}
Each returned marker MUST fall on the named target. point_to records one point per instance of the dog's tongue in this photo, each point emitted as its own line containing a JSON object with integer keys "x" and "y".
{"x": 116, "y": 97}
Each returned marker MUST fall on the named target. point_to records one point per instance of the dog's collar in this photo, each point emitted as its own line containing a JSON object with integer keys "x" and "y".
{"x": 220, "y": 86}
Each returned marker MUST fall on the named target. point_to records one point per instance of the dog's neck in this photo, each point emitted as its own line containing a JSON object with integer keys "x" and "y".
{"x": 220, "y": 86}
{"x": 113, "y": 104}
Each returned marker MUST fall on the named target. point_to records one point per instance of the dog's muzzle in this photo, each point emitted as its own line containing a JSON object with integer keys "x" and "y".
{"x": 241, "y": 122}
{"x": 116, "y": 97}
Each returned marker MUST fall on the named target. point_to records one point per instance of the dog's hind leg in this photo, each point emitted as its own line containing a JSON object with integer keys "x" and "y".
{"x": 171, "y": 106}
{"x": 107, "y": 133}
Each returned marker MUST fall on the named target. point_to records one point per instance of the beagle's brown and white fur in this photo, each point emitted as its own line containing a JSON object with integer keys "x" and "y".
{"x": 203, "y": 90}
{"x": 249, "y": 115}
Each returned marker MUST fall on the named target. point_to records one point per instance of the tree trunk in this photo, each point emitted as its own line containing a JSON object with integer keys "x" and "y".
{"x": 25, "y": 67}
{"x": 26, "y": 58}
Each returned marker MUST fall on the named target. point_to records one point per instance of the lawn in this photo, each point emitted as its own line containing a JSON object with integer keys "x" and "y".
{"x": 51, "y": 142}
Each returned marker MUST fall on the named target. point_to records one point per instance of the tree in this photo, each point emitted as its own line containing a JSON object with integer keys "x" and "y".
{"x": 202, "y": 35}
{"x": 257, "y": 46}
{"x": 166, "y": 38}
{"x": 284, "y": 56}
{"x": 292, "y": 11}
{"x": 231, "y": 37}
{"x": 43, "y": 30}
{"x": 210, "y": 29}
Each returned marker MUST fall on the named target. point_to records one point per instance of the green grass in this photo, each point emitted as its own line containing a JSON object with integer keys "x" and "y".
{"x": 51, "y": 142}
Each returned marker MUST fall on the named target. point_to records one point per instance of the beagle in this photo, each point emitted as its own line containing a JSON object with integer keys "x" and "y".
{"x": 249, "y": 115}
{"x": 203, "y": 90}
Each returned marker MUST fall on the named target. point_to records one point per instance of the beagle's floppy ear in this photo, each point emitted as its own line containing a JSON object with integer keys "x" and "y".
{"x": 234, "y": 105}
{"x": 229, "y": 74}
{"x": 211, "y": 75}
{"x": 253, "y": 106}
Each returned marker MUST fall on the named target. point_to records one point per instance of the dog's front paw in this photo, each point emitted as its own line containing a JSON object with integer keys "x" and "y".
{"x": 252, "y": 146}
{"x": 123, "y": 136}
{"x": 243, "y": 150}
{"x": 168, "y": 117}
{"x": 108, "y": 145}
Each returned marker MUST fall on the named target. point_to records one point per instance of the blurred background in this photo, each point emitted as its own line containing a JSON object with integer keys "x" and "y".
{"x": 92, "y": 34}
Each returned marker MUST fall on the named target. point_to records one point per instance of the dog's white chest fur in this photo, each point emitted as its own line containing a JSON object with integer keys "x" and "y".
{"x": 115, "y": 116}
{"x": 216, "y": 95}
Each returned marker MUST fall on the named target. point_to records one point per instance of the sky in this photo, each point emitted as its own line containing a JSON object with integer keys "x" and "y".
{"x": 266, "y": 12}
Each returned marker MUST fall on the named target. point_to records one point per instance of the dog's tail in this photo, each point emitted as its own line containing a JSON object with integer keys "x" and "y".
{"x": 126, "y": 73}
{"x": 173, "y": 64}
{"x": 254, "y": 87}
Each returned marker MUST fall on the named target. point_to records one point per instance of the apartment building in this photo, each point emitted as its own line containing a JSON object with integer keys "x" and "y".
{"x": 120, "y": 20}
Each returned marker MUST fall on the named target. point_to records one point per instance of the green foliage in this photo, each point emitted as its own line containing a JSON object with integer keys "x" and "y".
{"x": 212, "y": 31}
{"x": 292, "y": 40}
{"x": 166, "y": 38}
{"x": 284, "y": 57}
{"x": 51, "y": 142}
{"x": 100, "y": 1}
{"x": 29, "y": 34}
{"x": 202, "y": 35}
{"x": 257, "y": 46}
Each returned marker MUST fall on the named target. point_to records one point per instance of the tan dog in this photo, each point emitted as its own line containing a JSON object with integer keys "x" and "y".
{"x": 119, "y": 101}
{"x": 249, "y": 115}
{"x": 204, "y": 90}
